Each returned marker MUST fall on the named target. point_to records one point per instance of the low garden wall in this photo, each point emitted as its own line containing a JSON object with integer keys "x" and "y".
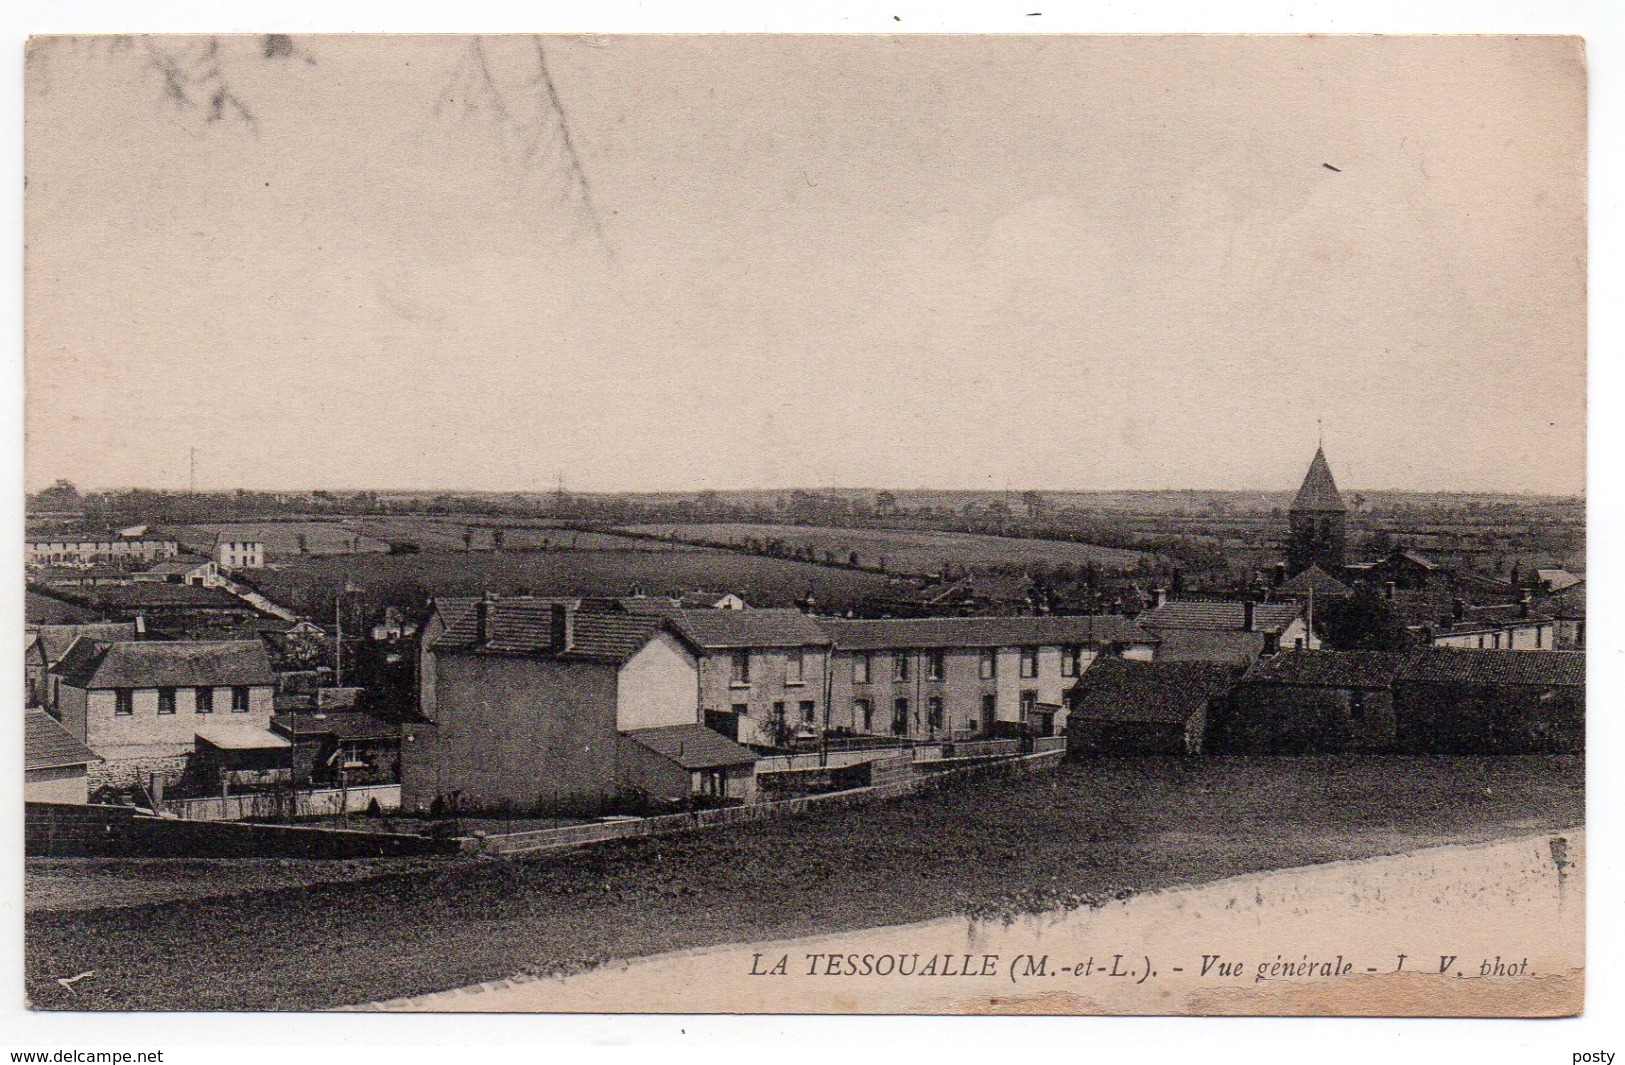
{"x": 64, "y": 830}
{"x": 581, "y": 835}
{"x": 322, "y": 802}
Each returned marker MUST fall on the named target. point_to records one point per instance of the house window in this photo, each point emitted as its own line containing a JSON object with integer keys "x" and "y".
{"x": 741, "y": 709}
{"x": 1029, "y": 703}
{"x": 239, "y": 699}
{"x": 860, "y": 669}
{"x": 123, "y": 702}
{"x": 1071, "y": 657}
{"x": 933, "y": 665}
{"x": 863, "y": 712}
{"x": 740, "y": 667}
{"x": 1029, "y": 662}
{"x": 899, "y": 668}
{"x": 166, "y": 700}
{"x": 204, "y": 700}
{"x": 809, "y": 710}
{"x": 794, "y": 668}
{"x": 899, "y": 717}
{"x": 778, "y": 712}
{"x": 933, "y": 711}
{"x": 990, "y": 710}
{"x": 990, "y": 665}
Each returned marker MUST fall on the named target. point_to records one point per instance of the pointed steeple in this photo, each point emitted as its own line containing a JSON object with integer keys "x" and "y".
{"x": 1319, "y": 492}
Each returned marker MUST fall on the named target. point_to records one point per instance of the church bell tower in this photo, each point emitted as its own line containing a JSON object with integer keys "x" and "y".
{"x": 1319, "y": 522}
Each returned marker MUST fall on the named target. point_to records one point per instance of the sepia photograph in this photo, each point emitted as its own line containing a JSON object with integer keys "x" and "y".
{"x": 937, "y": 524}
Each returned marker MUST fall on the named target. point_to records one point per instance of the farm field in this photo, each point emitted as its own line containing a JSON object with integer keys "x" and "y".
{"x": 481, "y": 534}
{"x": 282, "y": 539}
{"x": 309, "y": 584}
{"x": 903, "y": 550}
{"x": 987, "y": 849}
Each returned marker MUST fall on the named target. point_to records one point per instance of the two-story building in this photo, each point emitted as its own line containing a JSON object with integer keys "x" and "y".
{"x": 538, "y": 704}
{"x": 928, "y": 678}
{"x": 233, "y": 553}
{"x": 761, "y": 671}
{"x": 144, "y": 706}
{"x": 44, "y": 647}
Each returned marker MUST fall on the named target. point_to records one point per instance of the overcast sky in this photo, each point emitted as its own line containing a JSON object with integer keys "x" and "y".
{"x": 1061, "y": 263}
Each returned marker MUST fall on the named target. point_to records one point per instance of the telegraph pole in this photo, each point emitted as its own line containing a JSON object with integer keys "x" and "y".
{"x": 191, "y": 479}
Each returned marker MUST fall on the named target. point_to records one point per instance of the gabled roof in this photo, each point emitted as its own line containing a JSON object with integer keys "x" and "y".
{"x": 723, "y": 629}
{"x": 692, "y": 746}
{"x": 1121, "y": 690}
{"x": 92, "y": 664}
{"x": 179, "y": 566}
{"x": 983, "y": 632}
{"x": 1558, "y": 579}
{"x": 54, "y": 640}
{"x": 50, "y": 608}
{"x": 1319, "y": 492}
{"x": 1220, "y": 616}
{"x": 47, "y": 745}
{"x": 1317, "y": 581}
{"x": 1197, "y": 645}
{"x": 1448, "y": 665}
{"x": 1330, "y": 669}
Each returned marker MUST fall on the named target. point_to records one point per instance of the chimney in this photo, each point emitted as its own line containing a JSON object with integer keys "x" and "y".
{"x": 564, "y": 625}
{"x": 140, "y": 625}
{"x": 1458, "y": 609}
{"x": 1160, "y": 595}
{"x": 1388, "y": 589}
{"x": 1249, "y": 618}
{"x": 482, "y": 620}
{"x": 1280, "y": 573}
{"x": 1523, "y": 605}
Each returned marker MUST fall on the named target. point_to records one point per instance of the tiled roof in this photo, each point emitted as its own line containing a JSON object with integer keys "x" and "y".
{"x": 1220, "y": 616}
{"x": 166, "y": 664}
{"x": 1447, "y": 665}
{"x": 41, "y": 608}
{"x": 1319, "y": 492}
{"x": 693, "y": 746}
{"x": 720, "y": 629}
{"x": 153, "y": 594}
{"x": 524, "y": 626}
{"x": 47, "y": 745}
{"x": 920, "y": 633}
{"x": 1316, "y": 580}
{"x": 55, "y": 640}
{"x": 1120, "y": 690}
{"x": 1196, "y": 645}
{"x": 1330, "y": 669}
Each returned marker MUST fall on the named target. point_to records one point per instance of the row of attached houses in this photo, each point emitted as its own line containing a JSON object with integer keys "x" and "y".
{"x": 118, "y": 550}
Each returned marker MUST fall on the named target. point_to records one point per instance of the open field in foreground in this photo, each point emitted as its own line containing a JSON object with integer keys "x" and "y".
{"x": 985, "y": 849}
{"x": 904, "y": 550}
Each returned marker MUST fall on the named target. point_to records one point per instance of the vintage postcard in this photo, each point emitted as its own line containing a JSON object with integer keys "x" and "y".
{"x": 806, "y": 524}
